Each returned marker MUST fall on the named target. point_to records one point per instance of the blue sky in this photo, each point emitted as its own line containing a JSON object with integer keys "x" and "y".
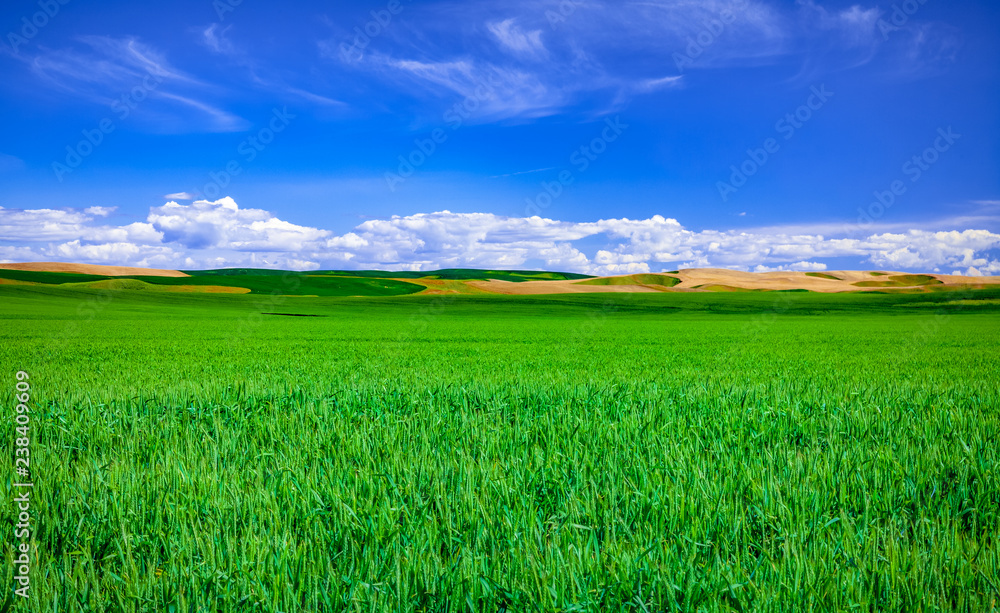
{"x": 602, "y": 137}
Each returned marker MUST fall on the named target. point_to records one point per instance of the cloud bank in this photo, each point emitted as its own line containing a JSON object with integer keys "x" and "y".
{"x": 220, "y": 234}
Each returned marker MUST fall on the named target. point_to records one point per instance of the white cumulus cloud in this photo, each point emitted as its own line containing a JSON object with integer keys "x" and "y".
{"x": 220, "y": 234}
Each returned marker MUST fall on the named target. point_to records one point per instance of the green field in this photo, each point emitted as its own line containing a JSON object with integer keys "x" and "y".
{"x": 365, "y": 283}
{"x": 258, "y": 282}
{"x": 617, "y": 452}
{"x": 664, "y": 280}
{"x": 901, "y": 281}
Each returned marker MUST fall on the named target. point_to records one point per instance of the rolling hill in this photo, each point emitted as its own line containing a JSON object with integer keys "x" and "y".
{"x": 473, "y": 281}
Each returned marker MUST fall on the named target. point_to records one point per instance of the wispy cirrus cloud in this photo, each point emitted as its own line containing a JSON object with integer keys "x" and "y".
{"x": 259, "y": 75}
{"x": 126, "y": 73}
{"x": 521, "y": 172}
{"x": 180, "y": 196}
{"x": 549, "y": 65}
{"x": 505, "y": 57}
{"x": 215, "y": 38}
{"x": 518, "y": 41}
{"x": 854, "y": 26}
{"x": 138, "y": 81}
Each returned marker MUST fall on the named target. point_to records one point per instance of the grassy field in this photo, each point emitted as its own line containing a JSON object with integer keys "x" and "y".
{"x": 664, "y": 280}
{"x": 258, "y": 282}
{"x": 365, "y": 283}
{"x": 621, "y": 452}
